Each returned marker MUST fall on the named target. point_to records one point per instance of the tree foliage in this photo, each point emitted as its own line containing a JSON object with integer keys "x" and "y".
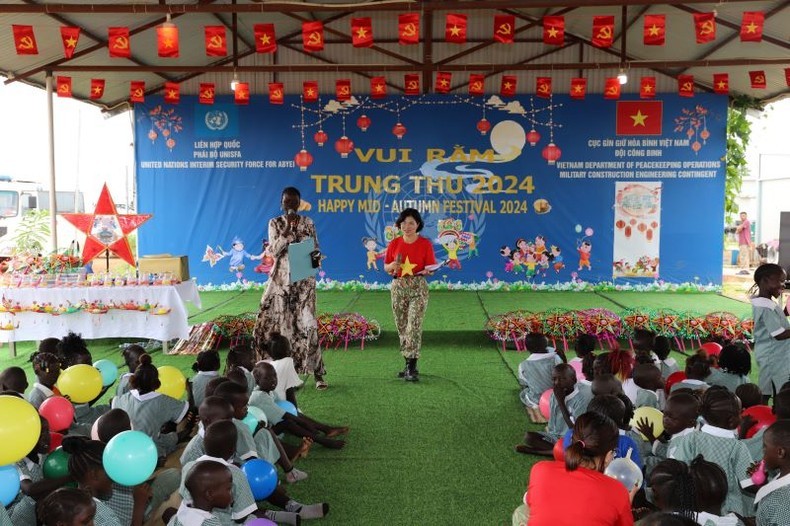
{"x": 33, "y": 231}
{"x": 739, "y": 130}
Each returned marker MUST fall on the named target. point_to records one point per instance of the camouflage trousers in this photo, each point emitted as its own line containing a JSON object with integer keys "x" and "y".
{"x": 409, "y": 301}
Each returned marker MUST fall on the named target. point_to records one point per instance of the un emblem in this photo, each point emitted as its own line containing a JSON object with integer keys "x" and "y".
{"x": 216, "y": 120}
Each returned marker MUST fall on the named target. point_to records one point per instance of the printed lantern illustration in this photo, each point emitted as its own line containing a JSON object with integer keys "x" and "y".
{"x": 320, "y": 137}
{"x": 483, "y": 126}
{"x": 343, "y": 146}
{"x": 363, "y": 122}
{"x": 533, "y": 137}
{"x": 551, "y": 153}
{"x": 399, "y": 130}
{"x": 303, "y": 159}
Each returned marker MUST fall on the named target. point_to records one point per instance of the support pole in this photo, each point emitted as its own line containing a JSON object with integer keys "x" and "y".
{"x": 53, "y": 208}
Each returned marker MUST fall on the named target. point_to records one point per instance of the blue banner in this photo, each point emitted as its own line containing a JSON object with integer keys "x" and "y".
{"x": 546, "y": 190}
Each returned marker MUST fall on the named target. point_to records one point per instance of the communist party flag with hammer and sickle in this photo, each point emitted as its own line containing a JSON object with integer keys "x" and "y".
{"x": 543, "y": 87}
{"x": 408, "y": 29}
{"x": 611, "y": 88}
{"x": 97, "y": 89}
{"x": 70, "y": 36}
{"x": 137, "y": 91}
{"x": 361, "y": 32}
{"x": 476, "y": 84}
{"x": 206, "y": 93}
{"x": 64, "y": 86}
{"x": 118, "y": 42}
{"x": 343, "y": 89}
{"x": 705, "y": 27}
{"x": 757, "y": 79}
{"x": 173, "y": 92}
{"x": 24, "y": 40}
{"x": 603, "y": 31}
{"x": 313, "y": 35}
{"x": 721, "y": 83}
{"x": 216, "y": 41}
{"x": 686, "y": 85}
{"x": 504, "y": 28}
{"x": 265, "y": 41}
{"x": 378, "y": 87}
{"x": 276, "y": 93}
{"x": 411, "y": 84}
{"x": 654, "y": 32}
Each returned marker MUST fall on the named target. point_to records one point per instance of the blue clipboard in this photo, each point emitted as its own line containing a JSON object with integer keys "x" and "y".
{"x": 299, "y": 261}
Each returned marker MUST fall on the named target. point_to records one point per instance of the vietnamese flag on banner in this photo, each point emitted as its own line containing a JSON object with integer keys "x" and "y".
{"x": 310, "y": 91}
{"x": 554, "y": 30}
{"x": 757, "y": 79}
{"x": 408, "y": 29}
{"x": 477, "y": 84}
{"x": 24, "y": 40}
{"x": 655, "y": 30}
{"x": 639, "y": 117}
{"x": 721, "y": 83}
{"x": 343, "y": 89}
{"x": 603, "y": 31}
{"x": 118, "y": 42}
{"x": 97, "y": 89}
{"x": 411, "y": 84}
{"x": 508, "y": 86}
{"x": 543, "y": 87}
{"x": 167, "y": 41}
{"x": 361, "y": 32}
{"x": 137, "y": 91}
{"x": 313, "y": 35}
{"x": 206, "y": 93}
{"x": 70, "y": 36}
{"x": 276, "y": 93}
{"x": 455, "y": 28}
{"x": 686, "y": 85}
{"x": 787, "y": 76}
{"x": 578, "y": 88}
{"x": 647, "y": 88}
{"x": 504, "y": 28}
{"x": 265, "y": 41}
{"x": 752, "y": 26}
{"x": 63, "y": 86}
{"x": 378, "y": 87}
{"x": 216, "y": 41}
{"x": 173, "y": 92}
{"x": 611, "y": 88}
{"x": 705, "y": 27}
{"x": 443, "y": 79}
{"x": 241, "y": 95}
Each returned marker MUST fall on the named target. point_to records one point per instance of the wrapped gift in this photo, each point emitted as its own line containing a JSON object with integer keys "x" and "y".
{"x": 177, "y": 266}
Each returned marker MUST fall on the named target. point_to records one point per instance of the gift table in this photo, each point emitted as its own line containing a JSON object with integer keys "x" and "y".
{"x": 154, "y": 312}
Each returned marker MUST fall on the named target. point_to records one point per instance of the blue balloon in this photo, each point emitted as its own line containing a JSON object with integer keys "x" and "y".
{"x": 108, "y": 370}
{"x": 262, "y": 477}
{"x": 130, "y": 458}
{"x": 287, "y": 406}
{"x": 250, "y": 421}
{"x": 9, "y": 484}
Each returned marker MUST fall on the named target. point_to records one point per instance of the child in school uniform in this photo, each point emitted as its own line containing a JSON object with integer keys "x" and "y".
{"x": 680, "y": 419}
{"x": 213, "y": 409}
{"x": 584, "y": 348}
{"x": 534, "y": 373}
{"x": 210, "y": 484}
{"x": 773, "y": 499}
{"x": 46, "y": 367}
{"x": 735, "y": 364}
{"x": 73, "y": 350}
{"x": 781, "y": 409}
{"x": 749, "y": 395}
{"x": 67, "y": 507}
{"x": 131, "y": 357}
{"x": 206, "y": 367}
{"x": 240, "y": 357}
{"x": 288, "y": 381}
{"x": 667, "y": 364}
{"x": 697, "y": 371}
{"x": 649, "y": 386}
{"x": 710, "y": 492}
{"x": 14, "y": 379}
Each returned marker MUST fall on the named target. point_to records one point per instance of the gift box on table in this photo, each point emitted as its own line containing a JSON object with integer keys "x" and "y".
{"x": 161, "y": 263}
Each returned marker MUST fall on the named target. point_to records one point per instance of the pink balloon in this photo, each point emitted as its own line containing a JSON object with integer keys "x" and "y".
{"x": 543, "y": 404}
{"x": 588, "y": 232}
{"x": 577, "y": 366}
{"x": 58, "y": 412}
{"x": 712, "y": 348}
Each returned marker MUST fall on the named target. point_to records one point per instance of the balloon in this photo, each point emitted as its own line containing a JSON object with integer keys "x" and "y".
{"x": 577, "y": 366}
{"x": 653, "y": 416}
{"x": 258, "y": 413}
{"x": 543, "y": 403}
{"x": 9, "y": 484}
{"x": 763, "y": 416}
{"x": 588, "y": 232}
{"x": 712, "y": 348}
{"x": 108, "y": 370}
{"x": 672, "y": 379}
{"x": 56, "y": 464}
{"x": 20, "y": 429}
{"x": 262, "y": 477}
{"x": 55, "y": 440}
{"x": 578, "y": 229}
{"x": 130, "y": 458}
{"x": 173, "y": 382}
{"x": 81, "y": 383}
{"x": 287, "y": 406}
{"x": 759, "y": 476}
{"x": 626, "y": 471}
{"x": 250, "y": 421}
{"x": 260, "y": 522}
{"x": 559, "y": 451}
{"x": 58, "y": 411}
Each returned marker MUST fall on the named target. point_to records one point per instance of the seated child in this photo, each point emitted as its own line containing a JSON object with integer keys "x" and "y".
{"x": 46, "y": 367}
{"x": 606, "y": 384}
{"x": 680, "y": 419}
{"x": 772, "y": 499}
{"x": 206, "y": 367}
{"x": 749, "y": 395}
{"x": 534, "y": 373}
{"x": 72, "y": 350}
{"x": 110, "y": 424}
{"x": 131, "y": 357}
{"x": 240, "y": 357}
{"x": 649, "y": 386}
{"x": 735, "y": 364}
{"x": 13, "y": 379}
{"x": 672, "y": 488}
{"x": 288, "y": 381}
{"x": 781, "y": 409}
{"x": 644, "y": 342}
{"x": 666, "y": 363}
{"x": 717, "y": 442}
{"x": 697, "y": 370}
{"x": 584, "y": 348}
{"x": 210, "y": 484}
{"x": 67, "y": 507}
{"x": 710, "y": 491}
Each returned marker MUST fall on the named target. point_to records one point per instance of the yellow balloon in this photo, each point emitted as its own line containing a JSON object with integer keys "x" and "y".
{"x": 173, "y": 382}
{"x": 653, "y": 416}
{"x": 20, "y": 428}
{"x": 81, "y": 383}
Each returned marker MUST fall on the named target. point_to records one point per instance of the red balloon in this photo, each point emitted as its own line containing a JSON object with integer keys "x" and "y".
{"x": 712, "y": 348}
{"x": 543, "y": 404}
{"x": 559, "y": 451}
{"x": 58, "y": 412}
{"x": 55, "y": 440}
{"x": 672, "y": 379}
{"x": 763, "y": 416}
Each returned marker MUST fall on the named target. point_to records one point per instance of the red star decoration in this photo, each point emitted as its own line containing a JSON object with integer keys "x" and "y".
{"x": 106, "y": 229}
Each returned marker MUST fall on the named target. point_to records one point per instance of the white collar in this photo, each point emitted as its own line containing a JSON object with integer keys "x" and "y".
{"x": 670, "y": 361}
{"x": 207, "y": 373}
{"x": 766, "y": 303}
{"x": 693, "y": 381}
{"x": 189, "y": 516}
{"x": 682, "y": 433}
{"x": 243, "y": 368}
{"x": 127, "y": 375}
{"x": 704, "y": 517}
{"x": 718, "y": 431}
{"x": 542, "y": 356}
{"x": 573, "y": 393}
{"x": 201, "y": 430}
{"x": 213, "y": 459}
{"x": 144, "y": 397}
{"x": 44, "y": 389}
{"x": 775, "y": 484}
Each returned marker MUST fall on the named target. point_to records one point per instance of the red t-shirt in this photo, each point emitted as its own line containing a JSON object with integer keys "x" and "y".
{"x": 414, "y": 256}
{"x": 557, "y": 497}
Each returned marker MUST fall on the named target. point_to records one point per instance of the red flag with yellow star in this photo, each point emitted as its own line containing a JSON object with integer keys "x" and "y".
{"x": 97, "y": 89}
{"x": 787, "y": 76}
{"x": 455, "y": 28}
{"x": 686, "y": 85}
{"x": 276, "y": 93}
{"x": 721, "y": 83}
{"x": 265, "y": 40}
{"x": 24, "y": 40}
{"x": 378, "y": 87}
{"x": 411, "y": 84}
{"x": 647, "y": 88}
{"x": 343, "y": 89}
{"x": 137, "y": 91}
{"x": 216, "y": 41}
{"x": 642, "y": 117}
{"x": 310, "y": 91}
{"x": 118, "y": 42}
{"x": 705, "y": 27}
{"x": 361, "y": 32}
{"x": 655, "y": 30}
{"x": 611, "y": 88}
{"x": 241, "y": 95}
{"x": 173, "y": 92}
{"x": 443, "y": 79}
{"x": 752, "y": 26}
{"x": 757, "y": 79}
{"x": 408, "y": 29}
{"x": 313, "y": 35}
{"x": 603, "y": 31}
{"x": 554, "y": 30}
{"x": 578, "y": 88}
{"x": 63, "y": 86}
{"x": 543, "y": 87}
{"x": 508, "y": 86}
{"x": 504, "y": 28}
{"x": 206, "y": 93}
{"x": 477, "y": 84}
{"x": 70, "y": 36}
{"x": 167, "y": 40}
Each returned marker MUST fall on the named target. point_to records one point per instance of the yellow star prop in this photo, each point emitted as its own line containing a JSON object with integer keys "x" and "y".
{"x": 407, "y": 267}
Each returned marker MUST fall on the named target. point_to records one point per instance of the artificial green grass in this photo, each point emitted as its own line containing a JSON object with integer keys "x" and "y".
{"x": 436, "y": 452}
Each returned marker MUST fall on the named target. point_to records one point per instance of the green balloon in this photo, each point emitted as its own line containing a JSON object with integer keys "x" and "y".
{"x": 56, "y": 464}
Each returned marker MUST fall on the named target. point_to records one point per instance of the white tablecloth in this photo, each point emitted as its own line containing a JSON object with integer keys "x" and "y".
{"x": 32, "y": 326}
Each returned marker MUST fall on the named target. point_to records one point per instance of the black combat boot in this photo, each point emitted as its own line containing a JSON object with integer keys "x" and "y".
{"x": 411, "y": 374}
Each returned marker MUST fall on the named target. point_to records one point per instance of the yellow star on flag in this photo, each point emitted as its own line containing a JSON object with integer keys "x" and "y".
{"x": 97, "y": 89}
{"x": 455, "y": 31}
{"x": 407, "y": 267}
{"x": 577, "y": 89}
{"x": 379, "y": 88}
{"x": 639, "y": 118}
{"x": 443, "y": 83}
{"x": 654, "y": 30}
{"x": 265, "y": 39}
{"x": 553, "y": 32}
{"x": 508, "y": 85}
{"x": 647, "y": 88}
{"x": 310, "y": 92}
{"x": 722, "y": 84}
{"x": 362, "y": 32}
{"x": 71, "y": 42}
{"x": 751, "y": 28}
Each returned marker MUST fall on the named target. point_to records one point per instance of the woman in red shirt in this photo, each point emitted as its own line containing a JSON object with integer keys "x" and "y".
{"x": 406, "y": 260}
{"x": 576, "y": 491}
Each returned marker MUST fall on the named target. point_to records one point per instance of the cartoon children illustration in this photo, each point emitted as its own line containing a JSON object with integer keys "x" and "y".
{"x": 472, "y": 244}
{"x": 371, "y": 244}
{"x": 267, "y": 261}
{"x": 584, "y": 249}
{"x": 451, "y": 243}
{"x": 237, "y": 255}
{"x": 507, "y": 253}
{"x": 540, "y": 244}
{"x": 557, "y": 259}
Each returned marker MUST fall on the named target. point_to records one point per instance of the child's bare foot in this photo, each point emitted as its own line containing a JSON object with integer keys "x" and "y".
{"x": 303, "y": 450}
{"x": 335, "y": 431}
{"x": 332, "y": 444}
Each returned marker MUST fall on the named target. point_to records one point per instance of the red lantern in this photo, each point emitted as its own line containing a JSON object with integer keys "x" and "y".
{"x": 399, "y": 130}
{"x": 363, "y": 122}
{"x": 343, "y": 146}
{"x": 533, "y": 137}
{"x": 303, "y": 159}
{"x": 320, "y": 137}
{"x": 483, "y": 126}
{"x": 551, "y": 153}
{"x": 705, "y": 134}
